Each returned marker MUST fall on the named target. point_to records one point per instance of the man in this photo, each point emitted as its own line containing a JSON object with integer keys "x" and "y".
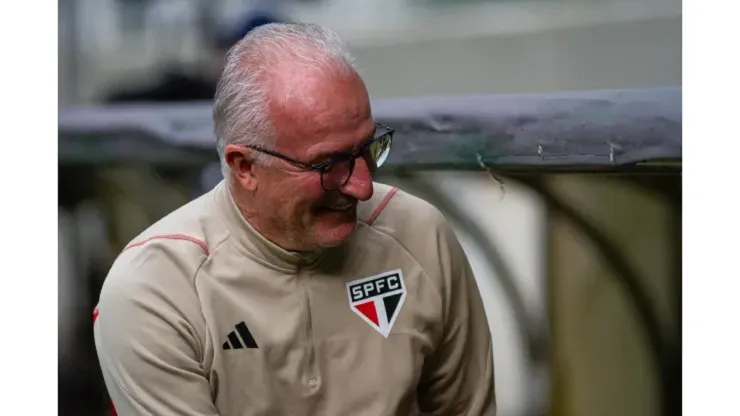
{"x": 297, "y": 286}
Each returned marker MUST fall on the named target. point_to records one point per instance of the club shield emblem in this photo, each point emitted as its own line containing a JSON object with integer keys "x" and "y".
{"x": 378, "y": 299}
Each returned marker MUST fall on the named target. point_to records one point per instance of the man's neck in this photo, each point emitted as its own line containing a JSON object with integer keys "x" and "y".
{"x": 251, "y": 216}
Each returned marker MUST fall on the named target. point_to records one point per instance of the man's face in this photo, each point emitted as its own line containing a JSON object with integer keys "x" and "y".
{"x": 315, "y": 115}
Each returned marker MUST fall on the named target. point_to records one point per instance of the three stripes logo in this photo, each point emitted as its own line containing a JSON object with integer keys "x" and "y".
{"x": 378, "y": 299}
{"x": 246, "y": 337}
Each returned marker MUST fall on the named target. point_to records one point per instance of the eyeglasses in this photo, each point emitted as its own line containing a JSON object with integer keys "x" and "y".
{"x": 336, "y": 171}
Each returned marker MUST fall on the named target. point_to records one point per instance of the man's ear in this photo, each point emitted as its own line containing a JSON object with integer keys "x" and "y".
{"x": 239, "y": 159}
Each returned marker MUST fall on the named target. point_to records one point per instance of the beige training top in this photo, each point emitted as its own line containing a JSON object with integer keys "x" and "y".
{"x": 201, "y": 315}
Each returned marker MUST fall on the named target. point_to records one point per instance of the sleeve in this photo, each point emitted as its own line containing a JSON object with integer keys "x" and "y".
{"x": 457, "y": 379}
{"x": 147, "y": 346}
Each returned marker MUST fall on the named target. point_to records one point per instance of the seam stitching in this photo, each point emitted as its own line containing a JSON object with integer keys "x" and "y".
{"x": 184, "y": 237}
{"x": 381, "y": 206}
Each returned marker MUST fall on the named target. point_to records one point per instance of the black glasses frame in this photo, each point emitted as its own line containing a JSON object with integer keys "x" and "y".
{"x": 336, "y": 158}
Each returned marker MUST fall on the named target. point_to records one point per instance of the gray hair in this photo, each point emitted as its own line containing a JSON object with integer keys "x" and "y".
{"x": 240, "y": 110}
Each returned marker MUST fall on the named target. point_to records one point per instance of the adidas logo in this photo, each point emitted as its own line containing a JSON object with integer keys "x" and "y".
{"x": 246, "y": 337}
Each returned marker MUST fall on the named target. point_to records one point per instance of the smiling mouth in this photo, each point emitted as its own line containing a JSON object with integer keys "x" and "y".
{"x": 340, "y": 208}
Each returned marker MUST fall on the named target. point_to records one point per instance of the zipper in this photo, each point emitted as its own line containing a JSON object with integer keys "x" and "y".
{"x": 313, "y": 378}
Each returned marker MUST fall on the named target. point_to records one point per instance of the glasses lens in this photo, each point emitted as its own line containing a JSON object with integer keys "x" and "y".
{"x": 339, "y": 171}
{"x": 337, "y": 174}
{"x": 380, "y": 149}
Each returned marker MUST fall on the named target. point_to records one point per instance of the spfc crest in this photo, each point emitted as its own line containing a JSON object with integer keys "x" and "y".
{"x": 378, "y": 299}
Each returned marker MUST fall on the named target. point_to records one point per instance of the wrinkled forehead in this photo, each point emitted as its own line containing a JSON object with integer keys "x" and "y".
{"x": 309, "y": 106}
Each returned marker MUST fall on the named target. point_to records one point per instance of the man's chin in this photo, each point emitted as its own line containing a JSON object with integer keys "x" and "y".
{"x": 328, "y": 237}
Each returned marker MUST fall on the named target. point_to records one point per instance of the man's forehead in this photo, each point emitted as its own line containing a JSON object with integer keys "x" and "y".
{"x": 309, "y": 103}
{"x": 313, "y": 90}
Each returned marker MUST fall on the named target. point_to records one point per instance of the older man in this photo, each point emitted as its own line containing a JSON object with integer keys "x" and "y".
{"x": 297, "y": 286}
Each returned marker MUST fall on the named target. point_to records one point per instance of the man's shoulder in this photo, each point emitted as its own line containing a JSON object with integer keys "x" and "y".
{"x": 195, "y": 222}
{"x": 396, "y": 211}
{"x": 411, "y": 221}
{"x": 416, "y": 225}
{"x": 171, "y": 248}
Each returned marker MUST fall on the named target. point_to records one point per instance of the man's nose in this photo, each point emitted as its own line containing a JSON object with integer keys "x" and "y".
{"x": 360, "y": 183}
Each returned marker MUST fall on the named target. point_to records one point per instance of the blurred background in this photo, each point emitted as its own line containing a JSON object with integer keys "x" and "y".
{"x": 580, "y": 273}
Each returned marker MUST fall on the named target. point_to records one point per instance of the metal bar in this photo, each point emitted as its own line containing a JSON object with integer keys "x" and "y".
{"x": 584, "y": 130}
